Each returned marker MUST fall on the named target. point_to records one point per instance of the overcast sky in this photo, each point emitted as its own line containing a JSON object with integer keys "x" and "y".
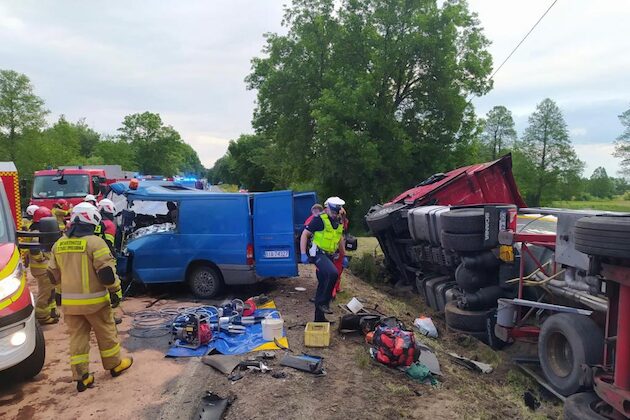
{"x": 187, "y": 61}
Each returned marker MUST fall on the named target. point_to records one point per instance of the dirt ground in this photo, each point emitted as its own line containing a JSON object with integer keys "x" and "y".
{"x": 354, "y": 387}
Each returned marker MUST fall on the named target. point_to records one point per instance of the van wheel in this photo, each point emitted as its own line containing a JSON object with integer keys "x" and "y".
{"x": 33, "y": 364}
{"x": 566, "y": 342}
{"x": 205, "y": 282}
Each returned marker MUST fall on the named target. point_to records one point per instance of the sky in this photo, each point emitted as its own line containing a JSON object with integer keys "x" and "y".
{"x": 187, "y": 60}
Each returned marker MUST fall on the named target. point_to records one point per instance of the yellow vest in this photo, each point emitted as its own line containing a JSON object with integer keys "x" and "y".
{"x": 328, "y": 239}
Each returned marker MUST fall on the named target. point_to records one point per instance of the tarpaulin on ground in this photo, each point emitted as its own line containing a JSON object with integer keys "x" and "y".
{"x": 232, "y": 344}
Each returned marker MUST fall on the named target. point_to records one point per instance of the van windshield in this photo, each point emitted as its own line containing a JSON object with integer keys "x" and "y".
{"x": 52, "y": 186}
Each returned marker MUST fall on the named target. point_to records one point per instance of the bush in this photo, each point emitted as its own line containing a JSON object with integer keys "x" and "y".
{"x": 368, "y": 267}
{"x": 626, "y": 196}
{"x": 584, "y": 196}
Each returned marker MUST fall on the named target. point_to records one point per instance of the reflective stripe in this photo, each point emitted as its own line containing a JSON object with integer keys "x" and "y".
{"x": 14, "y": 298}
{"x": 111, "y": 352}
{"x": 11, "y": 265}
{"x": 80, "y": 299}
{"x": 85, "y": 274}
{"x": 99, "y": 253}
{"x": 79, "y": 358}
{"x": 36, "y": 265}
{"x": 109, "y": 237}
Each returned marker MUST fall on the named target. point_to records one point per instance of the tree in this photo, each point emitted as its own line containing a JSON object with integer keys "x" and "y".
{"x": 498, "y": 132}
{"x": 223, "y": 171}
{"x": 547, "y": 145}
{"x": 622, "y": 145}
{"x": 88, "y": 138}
{"x": 20, "y": 109}
{"x": 249, "y": 156}
{"x": 112, "y": 151}
{"x": 362, "y": 98}
{"x": 191, "y": 164}
{"x": 158, "y": 149}
{"x": 600, "y": 185}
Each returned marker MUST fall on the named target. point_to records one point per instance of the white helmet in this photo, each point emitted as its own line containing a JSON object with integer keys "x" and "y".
{"x": 30, "y": 210}
{"x": 86, "y": 213}
{"x": 334, "y": 203}
{"x": 106, "y": 205}
{"x": 89, "y": 198}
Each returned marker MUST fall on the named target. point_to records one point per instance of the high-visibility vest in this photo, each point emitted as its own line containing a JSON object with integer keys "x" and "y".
{"x": 328, "y": 239}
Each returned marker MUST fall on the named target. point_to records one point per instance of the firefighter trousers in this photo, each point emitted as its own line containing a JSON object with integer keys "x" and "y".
{"x": 45, "y": 306}
{"x": 79, "y": 327}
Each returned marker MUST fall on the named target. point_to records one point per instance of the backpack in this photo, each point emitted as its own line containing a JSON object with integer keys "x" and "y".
{"x": 394, "y": 346}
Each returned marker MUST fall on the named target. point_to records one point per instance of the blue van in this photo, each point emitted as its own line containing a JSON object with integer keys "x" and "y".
{"x": 213, "y": 239}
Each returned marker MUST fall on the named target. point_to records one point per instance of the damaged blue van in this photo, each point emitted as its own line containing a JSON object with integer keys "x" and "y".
{"x": 171, "y": 233}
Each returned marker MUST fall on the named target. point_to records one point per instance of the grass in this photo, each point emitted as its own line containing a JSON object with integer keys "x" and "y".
{"x": 367, "y": 245}
{"x": 231, "y": 188}
{"x": 607, "y": 205}
{"x": 362, "y": 357}
{"x": 402, "y": 390}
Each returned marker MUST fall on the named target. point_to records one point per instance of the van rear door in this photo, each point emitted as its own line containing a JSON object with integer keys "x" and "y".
{"x": 274, "y": 235}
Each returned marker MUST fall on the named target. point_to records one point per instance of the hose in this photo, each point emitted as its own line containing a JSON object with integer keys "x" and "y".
{"x": 152, "y": 323}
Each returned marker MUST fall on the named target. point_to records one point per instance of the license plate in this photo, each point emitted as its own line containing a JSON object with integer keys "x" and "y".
{"x": 277, "y": 254}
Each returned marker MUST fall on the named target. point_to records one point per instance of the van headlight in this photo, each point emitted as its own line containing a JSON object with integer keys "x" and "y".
{"x": 10, "y": 284}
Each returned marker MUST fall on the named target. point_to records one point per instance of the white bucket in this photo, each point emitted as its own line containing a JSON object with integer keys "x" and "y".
{"x": 506, "y": 313}
{"x": 354, "y": 305}
{"x": 272, "y": 328}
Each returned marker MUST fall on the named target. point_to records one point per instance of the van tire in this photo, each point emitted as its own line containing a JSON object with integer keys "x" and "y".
{"x": 205, "y": 282}
{"x": 577, "y": 336}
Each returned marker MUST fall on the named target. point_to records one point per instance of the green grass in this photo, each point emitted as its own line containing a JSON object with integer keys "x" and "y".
{"x": 367, "y": 245}
{"x": 231, "y": 188}
{"x": 608, "y": 205}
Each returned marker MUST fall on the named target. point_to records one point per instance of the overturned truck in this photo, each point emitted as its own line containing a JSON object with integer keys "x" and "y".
{"x": 499, "y": 271}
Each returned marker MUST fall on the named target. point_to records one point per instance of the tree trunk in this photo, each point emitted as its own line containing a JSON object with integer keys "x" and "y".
{"x": 541, "y": 175}
{"x": 12, "y": 144}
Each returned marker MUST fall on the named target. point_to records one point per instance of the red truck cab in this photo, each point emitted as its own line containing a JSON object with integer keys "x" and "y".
{"x": 70, "y": 184}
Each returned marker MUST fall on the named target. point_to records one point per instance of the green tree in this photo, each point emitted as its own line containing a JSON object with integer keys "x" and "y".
{"x": 114, "y": 152}
{"x": 498, "y": 131}
{"x": 20, "y": 109}
{"x": 223, "y": 171}
{"x": 249, "y": 158}
{"x": 600, "y": 185}
{"x": 191, "y": 164}
{"x": 547, "y": 146}
{"x": 367, "y": 98}
{"x": 158, "y": 148}
{"x": 622, "y": 145}
{"x": 88, "y": 138}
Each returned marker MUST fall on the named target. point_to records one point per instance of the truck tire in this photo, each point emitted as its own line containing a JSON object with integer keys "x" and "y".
{"x": 463, "y": 221}
{"x": 472, "y": 280}
{"x": 461, "y": 319}
{"x": 380, "y": 220}
{"x": 604, "y": 236}
{"x": 581, "y": 406}
{"x": 566, "y": 342}
{"x": 205, "y": 282}
{"x": 33, "y": 364}
{"x": 463, "y": 242}
{"x": 487, "y": 338}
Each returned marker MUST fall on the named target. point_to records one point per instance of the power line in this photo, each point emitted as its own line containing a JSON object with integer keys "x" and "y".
{"x": 518, "y": 45}
{"x": 523, "y": 40}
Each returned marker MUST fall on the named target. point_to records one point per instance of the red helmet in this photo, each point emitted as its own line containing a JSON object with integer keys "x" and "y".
{"x": 62, "y": 204}
{"x": 40, "y": 213}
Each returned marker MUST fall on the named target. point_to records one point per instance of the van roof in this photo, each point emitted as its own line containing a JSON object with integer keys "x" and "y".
{"x": 165, "y": 192}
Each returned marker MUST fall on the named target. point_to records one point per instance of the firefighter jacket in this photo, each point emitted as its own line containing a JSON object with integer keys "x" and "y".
{"x": 75, "y": 263}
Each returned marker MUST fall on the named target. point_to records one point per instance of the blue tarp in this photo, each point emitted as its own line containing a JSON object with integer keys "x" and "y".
{"x": 231, "y": 344}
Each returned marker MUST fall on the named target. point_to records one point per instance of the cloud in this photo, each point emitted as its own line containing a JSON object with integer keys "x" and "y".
{"x": 577, "y": 132}
{"x": 596, "y": 155}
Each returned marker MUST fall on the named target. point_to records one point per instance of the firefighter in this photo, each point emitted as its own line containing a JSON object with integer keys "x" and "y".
{"x": 61, "y": 210}
{"x": 90, "y": 199}
{"x": 45, "y": 307}
{"x": 28, "y": 219}
{"x": 83, "y": 264}
{"x": 107, "y": 227}
{"x": 327, "y": 235}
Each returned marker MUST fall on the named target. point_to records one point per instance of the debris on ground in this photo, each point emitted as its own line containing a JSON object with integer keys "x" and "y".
{"x": 221, "y": 362}
{"x": 304, "y": 362}
{"x": 213, "y": 407}
{"x": 421, "y": 374}
{"x": 471, "y": 364}
{"x": 426, "y": 326}
{"x": 429, "y": 359}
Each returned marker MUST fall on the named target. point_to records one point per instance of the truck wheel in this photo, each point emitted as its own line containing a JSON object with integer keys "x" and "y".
{"x": 380, "y": 220}
{"x": 603, "y": 236}
{"x": 566, "y": 342}
{"x": 463, "y": 221}
{"x": 582, "y": 406}
{"x": 33, "y": 364}
{"x": 463, "y": 242}
{"x": 461, "y": 319}
{"x": 204, "y": 282}
{"x": 472, "y": 280}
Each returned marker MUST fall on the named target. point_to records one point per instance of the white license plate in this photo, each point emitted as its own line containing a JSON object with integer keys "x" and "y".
{"x": 277, "y": 254}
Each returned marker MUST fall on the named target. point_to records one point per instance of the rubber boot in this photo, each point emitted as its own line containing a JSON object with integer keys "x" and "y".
{"x": 125, "y": 364}
{"x": 86, "y": 382}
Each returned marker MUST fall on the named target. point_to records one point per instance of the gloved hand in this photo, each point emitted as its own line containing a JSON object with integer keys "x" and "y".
{"x": 346, "y": 262}
{"x": 304, "y": 259}
{"x": 115, "y": 298}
